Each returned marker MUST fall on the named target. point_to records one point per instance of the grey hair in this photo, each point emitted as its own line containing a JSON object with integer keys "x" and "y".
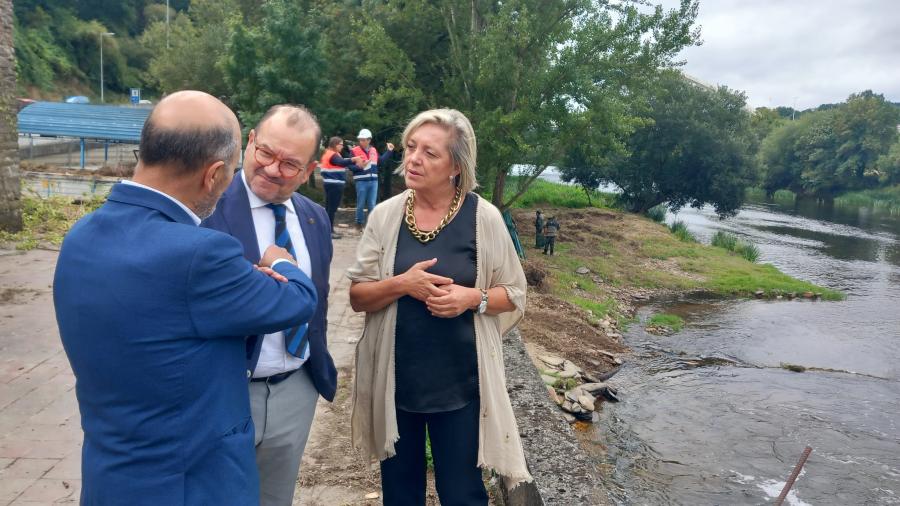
{"x": 462, "y": 145}
{"x": 186, "y": 150}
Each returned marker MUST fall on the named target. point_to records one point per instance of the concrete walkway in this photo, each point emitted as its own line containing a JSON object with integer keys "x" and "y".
{"x": 40, "y": 433}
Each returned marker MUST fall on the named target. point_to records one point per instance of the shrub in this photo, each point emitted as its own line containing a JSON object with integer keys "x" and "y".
{"x": 730, "y": 242}
{"x": 748, "y": 251}
{"x": 657, "y": 214}
{"x": 724, "y": 240}
{"x": 681, "y": 232}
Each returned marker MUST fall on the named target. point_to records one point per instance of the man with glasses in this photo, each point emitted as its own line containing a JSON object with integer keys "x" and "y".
{"x": 290, "y": 368}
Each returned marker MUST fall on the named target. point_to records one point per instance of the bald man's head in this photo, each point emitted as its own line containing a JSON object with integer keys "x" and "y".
{"x": 187, "y": 131}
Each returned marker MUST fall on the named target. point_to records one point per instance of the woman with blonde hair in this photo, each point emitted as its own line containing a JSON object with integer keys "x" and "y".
{"x": 440, "y": 282}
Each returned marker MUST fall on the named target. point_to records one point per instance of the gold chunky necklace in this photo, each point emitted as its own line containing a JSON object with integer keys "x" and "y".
{"x": 422, "y": 235}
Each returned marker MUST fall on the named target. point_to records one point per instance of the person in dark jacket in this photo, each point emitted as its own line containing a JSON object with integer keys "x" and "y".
{"x": 538, "y": 229}
{"x": 551, "y": 228}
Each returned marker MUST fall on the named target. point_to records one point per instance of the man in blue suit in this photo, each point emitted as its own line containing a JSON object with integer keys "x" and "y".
{"x": 153, "y": 312}
{"x": 260, "y": 208}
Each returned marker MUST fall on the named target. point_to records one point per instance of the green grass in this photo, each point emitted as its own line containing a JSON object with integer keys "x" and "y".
{"x": 657, "y": 214}
{"x": 724, "y": 240}
{"x": 719, "y": 270}
{"x": 670, "y": 321}
{"x": 730, "y": 242}
{"x": 598, "y": 310}
{"x": 680, "y": 230}
{"x": 728, "y": 274}
{"x": 544, "y": 193}
{"x": 882, "y": 199}
{"x": 628, "y": 251}
{"x": 429, "y": 459}
{"x": 780, "y": 196}
{"x": 46, "y": 220}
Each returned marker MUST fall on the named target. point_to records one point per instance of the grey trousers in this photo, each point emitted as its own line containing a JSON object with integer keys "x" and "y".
{"x": 282, "y": 414}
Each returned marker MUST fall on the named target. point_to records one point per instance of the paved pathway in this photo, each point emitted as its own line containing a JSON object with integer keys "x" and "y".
{"x": 40, "y": 433}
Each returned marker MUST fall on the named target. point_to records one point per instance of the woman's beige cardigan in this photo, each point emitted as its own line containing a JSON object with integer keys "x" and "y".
{"x": 374, "y": 419}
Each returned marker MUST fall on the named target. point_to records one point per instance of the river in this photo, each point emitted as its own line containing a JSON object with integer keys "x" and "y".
{"x": 709, "y": 416}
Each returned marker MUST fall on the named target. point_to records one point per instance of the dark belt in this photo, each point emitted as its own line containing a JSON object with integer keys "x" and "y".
{"x": 275, "y": 378}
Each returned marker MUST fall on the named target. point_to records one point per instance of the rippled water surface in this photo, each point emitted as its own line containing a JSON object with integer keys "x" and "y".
{"x": 710, "y": 417}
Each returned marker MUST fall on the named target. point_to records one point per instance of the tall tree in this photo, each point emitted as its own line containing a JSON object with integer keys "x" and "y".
{"x": 192, "y": 58}
{"x": 864, "y": 128}
{"x": 833, "y": 150}
{"x": 10, "y": 192}
{"x": 280, "y": 60}
{"x": 698, "y": 149}
{"x": 541, "y": 77}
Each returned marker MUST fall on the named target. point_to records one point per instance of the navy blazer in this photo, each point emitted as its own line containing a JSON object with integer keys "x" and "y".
{"x": 152, "y": 311}
{"x": 232, "y": 216}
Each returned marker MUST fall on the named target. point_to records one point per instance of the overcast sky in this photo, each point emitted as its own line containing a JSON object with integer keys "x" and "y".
{"x": 808, "y": 51}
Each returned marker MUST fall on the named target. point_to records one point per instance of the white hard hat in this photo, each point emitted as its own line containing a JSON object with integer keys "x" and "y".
{"x": 365, "y": 133}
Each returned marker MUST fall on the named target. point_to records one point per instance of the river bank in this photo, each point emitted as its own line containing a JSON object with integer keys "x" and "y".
{"x": 608, "y": 263}
{"x": 719, "y": 412}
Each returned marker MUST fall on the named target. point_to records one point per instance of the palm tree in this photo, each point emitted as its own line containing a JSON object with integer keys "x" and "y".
{"x": 10, "y": 192}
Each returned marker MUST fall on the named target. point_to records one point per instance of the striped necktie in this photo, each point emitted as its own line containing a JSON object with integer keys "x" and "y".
{"x": 296, "y": 340}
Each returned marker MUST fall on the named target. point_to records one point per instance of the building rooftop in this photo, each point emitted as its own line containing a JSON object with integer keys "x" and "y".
{"x": 95, "y": 122}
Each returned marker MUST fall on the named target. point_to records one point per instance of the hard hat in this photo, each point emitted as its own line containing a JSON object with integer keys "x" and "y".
{"x": 364, "y": 134}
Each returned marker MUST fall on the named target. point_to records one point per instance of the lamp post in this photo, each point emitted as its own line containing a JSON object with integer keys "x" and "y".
{"x": 102, "y": 34}
{"x": 167, "y": 24}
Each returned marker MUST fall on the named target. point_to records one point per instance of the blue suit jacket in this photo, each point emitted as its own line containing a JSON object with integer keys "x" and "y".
{"x": 149, "y": 306}
{"x": 233, "y": 217}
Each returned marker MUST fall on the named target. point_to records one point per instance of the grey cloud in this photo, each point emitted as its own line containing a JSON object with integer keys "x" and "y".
{"x": 817, "y": 51}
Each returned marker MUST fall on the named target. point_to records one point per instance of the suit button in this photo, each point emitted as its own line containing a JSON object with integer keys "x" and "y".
{"x": 249, "y": 373}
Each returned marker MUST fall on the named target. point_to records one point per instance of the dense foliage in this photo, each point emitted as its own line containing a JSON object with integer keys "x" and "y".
{"x": 851, "y": 146}
{"x": 537, "y": 78}
{"x": 698, "y": 148}
{"x": 577, "y": 84}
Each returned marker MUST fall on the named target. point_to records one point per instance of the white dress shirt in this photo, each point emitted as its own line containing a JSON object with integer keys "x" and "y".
{"x": 192, "y": 214}
{"x": 274, "y": 358}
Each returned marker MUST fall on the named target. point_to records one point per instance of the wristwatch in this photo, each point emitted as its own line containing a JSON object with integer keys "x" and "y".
{"x": 482, "y": 306}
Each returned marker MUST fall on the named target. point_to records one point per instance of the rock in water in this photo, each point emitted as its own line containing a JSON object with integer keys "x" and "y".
{"x": 585, "y": 416}
{"x": 610, "y": 394}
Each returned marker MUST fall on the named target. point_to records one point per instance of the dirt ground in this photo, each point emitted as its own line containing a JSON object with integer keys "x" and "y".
{"x": 555, "y": 326}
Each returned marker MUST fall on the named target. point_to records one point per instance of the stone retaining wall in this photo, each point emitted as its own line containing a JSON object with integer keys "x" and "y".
{"x": 563, "y": 473}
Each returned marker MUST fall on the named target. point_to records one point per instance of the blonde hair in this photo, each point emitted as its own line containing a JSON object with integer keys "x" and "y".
{"x": 462, "y": 146}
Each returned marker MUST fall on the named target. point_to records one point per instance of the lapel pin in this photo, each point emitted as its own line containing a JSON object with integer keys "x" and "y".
{"x": 312, "y": 221}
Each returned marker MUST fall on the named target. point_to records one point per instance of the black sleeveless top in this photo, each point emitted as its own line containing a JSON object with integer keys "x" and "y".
{"x": 436, "y": 367}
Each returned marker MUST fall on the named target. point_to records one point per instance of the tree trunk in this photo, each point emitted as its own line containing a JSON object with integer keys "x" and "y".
{"x": 10, "y": 191}
{"x": 499, "y": 188}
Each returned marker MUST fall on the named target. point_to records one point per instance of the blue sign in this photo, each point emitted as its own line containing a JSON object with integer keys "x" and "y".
{"x": 135, "y": 96}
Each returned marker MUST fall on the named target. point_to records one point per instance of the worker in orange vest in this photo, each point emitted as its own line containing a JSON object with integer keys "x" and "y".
{"x": 365, "y": 175}
{"x": 333, "y": 168}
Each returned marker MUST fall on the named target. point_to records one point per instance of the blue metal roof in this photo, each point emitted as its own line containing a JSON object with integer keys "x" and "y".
{"x": 100, "y": 122}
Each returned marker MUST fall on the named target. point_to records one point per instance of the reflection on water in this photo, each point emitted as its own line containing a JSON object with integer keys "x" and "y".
{"x": 711, "y": 417}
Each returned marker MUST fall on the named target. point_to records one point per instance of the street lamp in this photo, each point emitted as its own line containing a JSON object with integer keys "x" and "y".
{"x": 102, "y": 34}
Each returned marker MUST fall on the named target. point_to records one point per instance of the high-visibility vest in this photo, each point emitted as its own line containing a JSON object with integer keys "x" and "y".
{"x": 331, "y": 174}
{"x": 369, "y": 170}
